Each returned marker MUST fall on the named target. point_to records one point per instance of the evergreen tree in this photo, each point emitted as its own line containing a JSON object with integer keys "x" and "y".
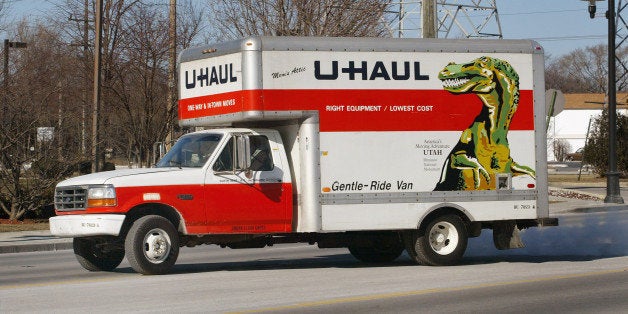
{"x": 596, "y": 149}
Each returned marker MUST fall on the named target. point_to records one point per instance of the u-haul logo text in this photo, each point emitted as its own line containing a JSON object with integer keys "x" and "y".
{"x": 208, "y": 76}
{"x": 399, "y": 71}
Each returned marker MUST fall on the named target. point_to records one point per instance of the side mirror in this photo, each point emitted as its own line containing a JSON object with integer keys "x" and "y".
{"x": 242, "y": 153}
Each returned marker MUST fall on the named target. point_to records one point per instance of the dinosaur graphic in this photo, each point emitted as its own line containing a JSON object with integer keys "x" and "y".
{"x": 482, "y": 150}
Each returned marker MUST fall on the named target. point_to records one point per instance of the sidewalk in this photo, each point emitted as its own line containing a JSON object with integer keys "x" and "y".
{"x": 32, "y": 241}
{"x": 577, "y": 202}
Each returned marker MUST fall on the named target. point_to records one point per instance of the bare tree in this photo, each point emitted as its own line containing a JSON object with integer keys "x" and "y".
{"x": 31, "y": 163}
{"x": 3, "y": 10}
{"x": 134, "y": 115}
{"x": 190, "y": 18}
{"x": 584, "y": 71}
{"x": 48, "y": 89}
{"x": 2, "y": 13}
{"x": 240, "y": 18}
{"x": 561, "y": 148}
{"x": 138, "y": 82}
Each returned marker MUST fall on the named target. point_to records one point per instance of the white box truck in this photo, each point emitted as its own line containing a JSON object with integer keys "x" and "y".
{"x": 378, "y": 145}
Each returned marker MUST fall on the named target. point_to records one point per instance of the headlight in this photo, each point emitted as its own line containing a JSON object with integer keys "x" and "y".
{"x": 101, "y": 195}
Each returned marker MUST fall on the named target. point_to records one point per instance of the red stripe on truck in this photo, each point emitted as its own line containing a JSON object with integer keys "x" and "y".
{"x": 362, "y": 110}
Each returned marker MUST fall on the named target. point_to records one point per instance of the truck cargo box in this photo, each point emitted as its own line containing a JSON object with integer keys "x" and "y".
{"x": 403, "y": 125}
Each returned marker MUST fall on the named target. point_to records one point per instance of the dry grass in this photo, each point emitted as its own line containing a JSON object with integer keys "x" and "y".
{"x": 21, "y": 226}
{"x": 574, "y": 179}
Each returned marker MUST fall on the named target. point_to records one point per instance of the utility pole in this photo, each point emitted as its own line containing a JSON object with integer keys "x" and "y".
{"x": 5, "y": 83}
{"x": 429, "y": 29}
{"x": 85, "y": 103}
{"x": 5, "y": 90}
{"x": 96, "y": 98}
{"x": 85, "y": 92}
{"x": 172, "y": 70}
{"x": 59, "y": 125}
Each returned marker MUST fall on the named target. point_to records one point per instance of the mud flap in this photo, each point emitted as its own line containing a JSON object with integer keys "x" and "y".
{"x": 506, "y": 235}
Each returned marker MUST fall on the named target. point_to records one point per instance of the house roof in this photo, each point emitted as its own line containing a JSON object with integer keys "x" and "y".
{"x": 593, "y": 101}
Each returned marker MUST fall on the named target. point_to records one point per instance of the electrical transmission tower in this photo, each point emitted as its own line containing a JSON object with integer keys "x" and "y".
{"x": 452, "y": 18}
{"x": 622, "y": 39}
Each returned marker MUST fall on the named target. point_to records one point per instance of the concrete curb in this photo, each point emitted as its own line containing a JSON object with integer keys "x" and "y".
{"x": 599, "y": 209}
{"x": 39, "y": 247}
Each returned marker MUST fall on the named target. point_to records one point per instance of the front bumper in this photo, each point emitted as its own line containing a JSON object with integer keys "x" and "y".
{"x": 86, "y": 225}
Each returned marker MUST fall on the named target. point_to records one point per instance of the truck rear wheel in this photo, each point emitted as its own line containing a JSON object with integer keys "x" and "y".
{"x": 152, "y": 245}
{"x": 98, "y": 253}
{"x": 380, "y": 248}
{"x": 441, "y": 243}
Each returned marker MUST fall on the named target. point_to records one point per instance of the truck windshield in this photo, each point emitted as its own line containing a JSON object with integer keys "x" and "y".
{"x": 190, "y": 151}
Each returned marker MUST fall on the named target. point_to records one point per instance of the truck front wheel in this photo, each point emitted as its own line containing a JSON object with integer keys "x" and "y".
{"x": 441, "y": 242}
{"x": 152, "y": 245}
{"x": 98, "y": 253}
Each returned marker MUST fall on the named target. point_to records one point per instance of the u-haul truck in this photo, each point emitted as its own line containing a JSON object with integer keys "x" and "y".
{"x": 377, "y": 145}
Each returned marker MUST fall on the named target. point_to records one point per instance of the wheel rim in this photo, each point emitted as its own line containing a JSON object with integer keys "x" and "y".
{"x": 156, "y": 245}
{"x": 443, "y": 238}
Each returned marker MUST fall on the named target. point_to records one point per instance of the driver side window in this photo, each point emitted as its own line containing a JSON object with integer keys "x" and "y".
{"x": 261, "y": 158}
{"x": 259, "y": 148}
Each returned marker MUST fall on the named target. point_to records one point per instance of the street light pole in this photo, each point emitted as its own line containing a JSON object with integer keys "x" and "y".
{"x": 5, "y": 77}
{"x": 612, "y": 176}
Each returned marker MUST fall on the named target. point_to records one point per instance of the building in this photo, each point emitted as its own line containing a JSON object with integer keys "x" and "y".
{"x": 572, "y": 123}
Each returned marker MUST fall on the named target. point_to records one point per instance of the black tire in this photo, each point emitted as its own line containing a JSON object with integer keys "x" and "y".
{"x": 152, "y": 245}
{"x": 98, "y": 253}
{"x": 381, "y": 248}
{"x": 441, "y": 242}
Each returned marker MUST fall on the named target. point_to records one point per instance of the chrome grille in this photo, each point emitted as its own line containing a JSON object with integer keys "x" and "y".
{"x": 70, "y": 198}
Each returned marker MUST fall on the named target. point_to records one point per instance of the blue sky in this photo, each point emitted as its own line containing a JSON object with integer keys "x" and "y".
{"x": 560, "y": 26}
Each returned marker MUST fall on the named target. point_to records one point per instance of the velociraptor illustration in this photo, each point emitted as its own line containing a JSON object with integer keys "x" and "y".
{"x": 482, "y": 150}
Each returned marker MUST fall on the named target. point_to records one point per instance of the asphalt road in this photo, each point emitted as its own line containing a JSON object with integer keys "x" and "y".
{"x": 578, "y": 293}
{"x": 581, "y": 266}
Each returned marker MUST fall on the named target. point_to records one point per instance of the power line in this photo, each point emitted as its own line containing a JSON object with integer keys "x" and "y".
{"x": 559, "y": 38}
{"x": 529, "y": 13}
{"x": 541, "y": 12}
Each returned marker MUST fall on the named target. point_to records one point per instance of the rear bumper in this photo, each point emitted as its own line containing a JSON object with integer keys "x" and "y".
{"x": 539, "y": 222}
{"x": 86, "y": 225}
{"x": 547, "y": 222}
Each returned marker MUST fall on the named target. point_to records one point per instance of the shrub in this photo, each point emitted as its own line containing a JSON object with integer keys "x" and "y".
{"x": 596, "y": 150}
